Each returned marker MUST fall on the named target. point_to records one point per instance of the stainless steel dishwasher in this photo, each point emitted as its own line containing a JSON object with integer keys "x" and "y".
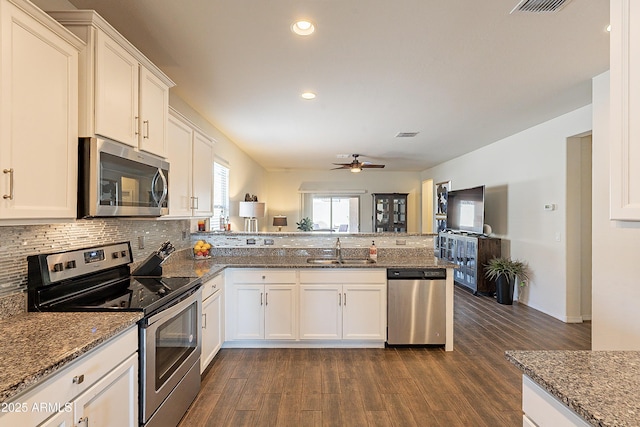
{"x": 416, "y": 311}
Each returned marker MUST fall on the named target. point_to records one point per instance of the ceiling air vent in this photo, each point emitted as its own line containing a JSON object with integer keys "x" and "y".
{"x": 539, "y": 6}
{"x": 406, "y": 134}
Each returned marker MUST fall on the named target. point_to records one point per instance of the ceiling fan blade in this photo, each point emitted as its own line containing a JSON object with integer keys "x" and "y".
{"x": 371, "y": 166}
{"x": 342, "y": 167}
{"x": 342, "y": 164}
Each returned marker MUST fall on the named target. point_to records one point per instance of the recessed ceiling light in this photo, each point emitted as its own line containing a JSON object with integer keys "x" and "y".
{"x": 308, "y": 95}
{"x": 303, "y": 27}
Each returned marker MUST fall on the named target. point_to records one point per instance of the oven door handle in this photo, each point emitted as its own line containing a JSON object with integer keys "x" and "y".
{"x": 174, "y": 307}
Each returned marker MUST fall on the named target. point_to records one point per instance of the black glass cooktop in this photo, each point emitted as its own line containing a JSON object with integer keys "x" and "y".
{"x": 131, "y": 293}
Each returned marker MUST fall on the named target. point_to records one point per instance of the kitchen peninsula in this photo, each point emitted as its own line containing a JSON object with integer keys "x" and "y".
{"x": 287, "y": 256}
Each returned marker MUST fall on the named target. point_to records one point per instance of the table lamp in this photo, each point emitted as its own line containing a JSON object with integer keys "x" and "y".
{"x": 251, "y": 211}
{"x": 279, "y": 221}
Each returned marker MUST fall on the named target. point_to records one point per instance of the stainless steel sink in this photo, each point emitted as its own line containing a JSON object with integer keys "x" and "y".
{"x": 357, "y": 261}
{"x": 352, "y": 261}
{"x": 323, "y": 261}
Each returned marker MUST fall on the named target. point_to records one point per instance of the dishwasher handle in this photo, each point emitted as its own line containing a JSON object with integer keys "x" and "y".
{"x": 416, "y": 274}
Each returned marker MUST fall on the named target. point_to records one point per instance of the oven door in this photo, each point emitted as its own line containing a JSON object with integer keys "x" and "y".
{"x": 170, "y": 345}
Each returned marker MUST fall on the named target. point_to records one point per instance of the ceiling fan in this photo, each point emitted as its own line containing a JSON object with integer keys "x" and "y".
{"x": 356, "y": 165}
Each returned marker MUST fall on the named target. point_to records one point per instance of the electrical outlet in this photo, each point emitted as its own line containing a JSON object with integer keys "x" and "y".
{"x": 251, "y": 241}
{"x": 140, "y": 242}
{"x": 550, "y": 207}
{"x": 184, "y": 234}
{"x": 268, "y": 241}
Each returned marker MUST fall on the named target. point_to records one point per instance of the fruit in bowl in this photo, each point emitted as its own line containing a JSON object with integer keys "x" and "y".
{"x": 201, "y": 249}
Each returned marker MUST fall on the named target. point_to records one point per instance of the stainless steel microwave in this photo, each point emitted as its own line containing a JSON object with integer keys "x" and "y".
{"x": 116, "y": 180}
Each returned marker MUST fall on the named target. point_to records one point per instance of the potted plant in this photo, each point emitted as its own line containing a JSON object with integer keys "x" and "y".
{"x": 505, "y": 271}
{"x": 305, "y": 224}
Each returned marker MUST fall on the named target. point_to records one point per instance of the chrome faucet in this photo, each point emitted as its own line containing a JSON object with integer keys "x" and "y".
{"x": 338, "y": 250}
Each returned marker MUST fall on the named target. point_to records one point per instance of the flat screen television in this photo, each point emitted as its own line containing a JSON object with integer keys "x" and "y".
{"x": 465, "y": 210}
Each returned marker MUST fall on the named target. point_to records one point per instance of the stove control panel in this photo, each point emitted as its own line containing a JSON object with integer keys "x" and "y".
{"x": 67, "y": 265}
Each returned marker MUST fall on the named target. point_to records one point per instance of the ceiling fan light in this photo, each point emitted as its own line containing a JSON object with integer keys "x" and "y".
{"x": 356, "y": 169}
{"x": 303, "y": 27}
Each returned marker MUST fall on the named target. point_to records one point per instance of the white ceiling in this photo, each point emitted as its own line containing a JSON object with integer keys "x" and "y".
{"x": 463, "y": 73}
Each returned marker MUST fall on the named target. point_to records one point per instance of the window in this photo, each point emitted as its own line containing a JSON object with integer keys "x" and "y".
{"x": 336, "y": 213}
{"x": 220, "y": 192}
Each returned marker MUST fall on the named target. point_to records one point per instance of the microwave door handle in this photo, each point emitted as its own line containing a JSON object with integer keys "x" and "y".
{"x": 165, "y": 188}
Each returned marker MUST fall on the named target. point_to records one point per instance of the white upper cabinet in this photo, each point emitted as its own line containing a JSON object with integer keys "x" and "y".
{"x": 116, "y": 92}
{"x": 625, "y": 110}
{"x": 123, "y": 95}
{"x": 38, "y": 115}
{"x": 190, "y": 154}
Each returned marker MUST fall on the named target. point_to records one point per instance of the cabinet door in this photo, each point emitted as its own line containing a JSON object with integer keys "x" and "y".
{"x": 38, "y": 119}
{"x": 116, "y": 92}
{"x": 364, "y": 312}
{"x": 112, "y": 401}
{"x": 61, "y": 419}
{"x": 280, "y": 312}
{"x": 248, "y": 311}
{"x": 211, "y": 328}
{"x": 154, "y": 109}
{"x": 180, "y": 137}
{"x": 624, "y": 110}
{"x": 321, "y": 312}
{"x": 202, "y": 175}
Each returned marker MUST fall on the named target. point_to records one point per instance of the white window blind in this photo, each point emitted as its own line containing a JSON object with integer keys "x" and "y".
{"x": 220, "y": 191}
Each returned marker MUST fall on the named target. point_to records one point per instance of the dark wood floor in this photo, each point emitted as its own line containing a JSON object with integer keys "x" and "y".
{"x": 472, "y": 386}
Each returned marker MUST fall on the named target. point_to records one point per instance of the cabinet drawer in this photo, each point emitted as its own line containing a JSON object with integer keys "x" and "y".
{"x": 60, "y": 387}
{"x": 212, "y": 286}
{"x": 264, "y": 276}
{"x": 350, "y": 276}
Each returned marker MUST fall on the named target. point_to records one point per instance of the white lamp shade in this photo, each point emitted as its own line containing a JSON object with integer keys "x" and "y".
{"x": 252, "y": 209}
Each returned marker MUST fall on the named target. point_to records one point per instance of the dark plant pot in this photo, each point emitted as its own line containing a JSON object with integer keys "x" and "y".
{"x": 504, "y": 290}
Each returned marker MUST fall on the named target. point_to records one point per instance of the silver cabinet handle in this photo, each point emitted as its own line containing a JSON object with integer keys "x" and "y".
{"x": 266, "y": 298}
{"x": 196, "y": 199}
{"x": 261, "y": 294}
{"x": 78, "y": 379}
{"x": 345, "y": 298}
{"x": 137, "y": 125}
{"x": 339, "y": 299}
{"x": 146, "y": 123}
{"x": 10, "y": 195}
{"x": 204, "y": 320}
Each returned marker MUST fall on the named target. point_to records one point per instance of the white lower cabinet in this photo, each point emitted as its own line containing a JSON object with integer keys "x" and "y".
{"x": 340, "y": 304}
{"x": 262, "y": 305}
{"x": 212, "y": 319}
{"x": 99, "y": 389}
{"x": 306, "y": 307}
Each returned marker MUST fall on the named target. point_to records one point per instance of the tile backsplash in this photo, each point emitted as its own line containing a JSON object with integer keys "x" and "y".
{"x": 17, "y": 242}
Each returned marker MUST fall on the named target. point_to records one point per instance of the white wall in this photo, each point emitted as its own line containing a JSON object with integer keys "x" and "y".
{"x": 616, "y": 247}
{"x": 522, "y": 173}
{"x": 284, "y": 196}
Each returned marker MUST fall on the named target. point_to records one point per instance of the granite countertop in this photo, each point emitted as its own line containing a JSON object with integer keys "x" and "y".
{"x": 186, "y": 266}
{"x": 35, "y": 345}
{"x": 603, "y": 387}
